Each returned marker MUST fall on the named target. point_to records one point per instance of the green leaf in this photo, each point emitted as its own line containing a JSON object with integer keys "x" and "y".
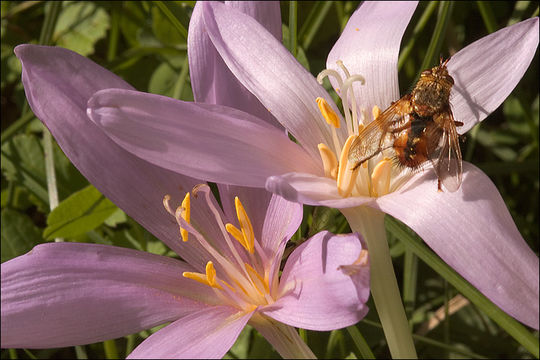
{"x": 22, "y": 163}
{"x": 80, "y": 26}
{"x": 117, "y": 217}
{"x": 81, "y": 212}
{"x": 19, "y": 234}
{"x": 164, "y": 80}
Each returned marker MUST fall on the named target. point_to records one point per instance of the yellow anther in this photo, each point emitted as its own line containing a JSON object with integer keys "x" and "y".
{"x": 195, "y": 276}
{"x": 257, "y": 279}
{"x": 186, "y": 215}
{"x": 380, "y": 177}
{"x": 329, "y": 161}
{"x": 207, "y": 279}
{"x": 363, "y": 258}
{"x": 245, "y": 226}
{"x": 237, "y": 234}
{"x": 358, "y": 265}
{"x": 375, "y": 112}
{"x": 211, "y": 275}
{"x": 346, "y": 176}
{"x": 329, "y": 115}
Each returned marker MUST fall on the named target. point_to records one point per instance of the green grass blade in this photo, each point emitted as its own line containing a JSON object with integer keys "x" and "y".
{"x": 360, "y": 342}
{"x": 165, "y": 8}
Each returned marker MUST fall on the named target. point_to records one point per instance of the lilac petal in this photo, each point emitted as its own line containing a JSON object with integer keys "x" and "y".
{"x": 317, "y": 293}
{"x": 486, "y": 71}
{"x": 267, "y": 13}
{"x": 58, "y": 84}
{"x": 212, "y": 142}
{"x": 206, "y": 334}
{"x": 369, "y": 46}
{"x": 282, "y": 219}
{"x": 65, "y": 294}
{"x": 312, "y": 190}
{"x": 472, "y": 230}
{"x": 211, "y": 79}
{"x": 267, "y": 69}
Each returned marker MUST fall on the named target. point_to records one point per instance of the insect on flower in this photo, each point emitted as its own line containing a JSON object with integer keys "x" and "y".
{"x": 419, "y": 127}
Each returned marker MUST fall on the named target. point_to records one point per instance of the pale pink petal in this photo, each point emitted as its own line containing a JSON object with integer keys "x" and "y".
{"x": 369, "y": 46}
{"x": 211, "y": 80}
{"x": 486, "y": 71}
{"x": 267, "y": 69}
{"x": 58, "y": 84}
{"x": 311, "y": 189}
{"x": 212, "y": 142}
{"x": 316, "y": 293}
{"x": 282, "y": 220}
{"x": 65, "y": 294}
{"x": 206, "y": 334}
{"x": 472, "y": 230}
{"x": 267, "y": 13}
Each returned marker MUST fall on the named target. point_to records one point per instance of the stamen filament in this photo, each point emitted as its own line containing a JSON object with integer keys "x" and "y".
{"x": 328, "y": 73}
{"x": 231, "y": 270}
{"x": 257, "y": 280}
{"x": 347, "y": 84}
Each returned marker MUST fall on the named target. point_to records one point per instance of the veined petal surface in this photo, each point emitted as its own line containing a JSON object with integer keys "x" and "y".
{"x": 206, "y": 141}
{"x": 206, "y": 334}
{"x": 267, "y": 69}
{"x": 58, "y": 83}
{"x": 316, "y": 293}
{"x": 369, "y": 46}
{"x": 211, "y": 80}
{"x": 473, "y": 232}
{"x": 65, "y": 294}
{"x": 486, "y": 71}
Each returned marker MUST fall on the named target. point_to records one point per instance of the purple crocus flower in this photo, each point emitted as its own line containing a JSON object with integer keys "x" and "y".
{"x": 471, "y": 228}
{"x": 84, "y": 293}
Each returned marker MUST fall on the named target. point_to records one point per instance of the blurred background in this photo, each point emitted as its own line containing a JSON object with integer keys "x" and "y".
{"x": 144, "y": 42}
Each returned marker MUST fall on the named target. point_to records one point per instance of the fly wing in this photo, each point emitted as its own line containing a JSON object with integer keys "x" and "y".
{"x": 380, "y": 133}
{"x": 446, "y": 159}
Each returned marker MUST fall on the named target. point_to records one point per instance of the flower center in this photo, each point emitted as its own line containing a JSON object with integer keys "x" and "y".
{"x": 238, "y": 271}
{"x": 373, "y": 177}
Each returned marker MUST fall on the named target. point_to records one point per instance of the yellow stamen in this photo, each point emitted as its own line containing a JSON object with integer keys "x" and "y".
{"x": 346, "y": 176}
{"x": 196, "y": 276}
{"x": 211, "y": 274}
{"x": 357, "y": 265}
{"x": 363, "y": 258}
{"x": 376, "y": 111}
{"x": 237, "y": 234}
{"x": 245, "y": 225}
{"x": 257, "y": 279}
{"x": 329, "y": 160}
{"x": 186, "y": 215}
{"x": 208, "y": 279}
{"x": 380, "y": 177}
{"x": 329, "y": 115}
